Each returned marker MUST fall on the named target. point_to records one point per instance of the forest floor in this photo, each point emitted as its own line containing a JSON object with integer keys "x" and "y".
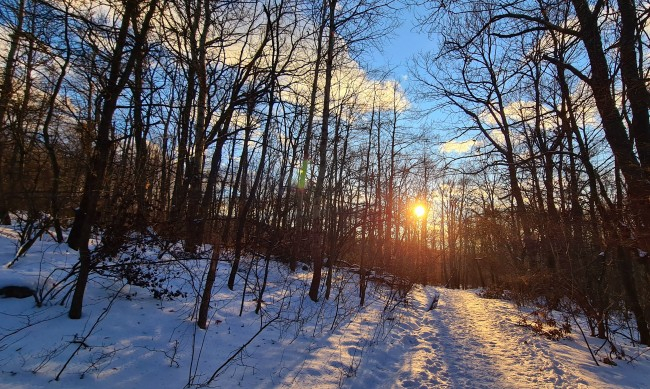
{"x": 128, "y": 339}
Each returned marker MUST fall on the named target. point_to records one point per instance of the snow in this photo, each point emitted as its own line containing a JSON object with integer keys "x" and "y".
{"x": 128, "y": 339}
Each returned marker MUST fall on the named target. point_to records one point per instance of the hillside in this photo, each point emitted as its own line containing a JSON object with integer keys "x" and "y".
{"x": 128, "y": 339}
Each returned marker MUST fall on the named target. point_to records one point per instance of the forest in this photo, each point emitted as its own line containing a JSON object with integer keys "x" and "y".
{"x": 517, "y": 160}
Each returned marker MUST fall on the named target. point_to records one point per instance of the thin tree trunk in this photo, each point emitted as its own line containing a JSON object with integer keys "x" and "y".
{"x": 306, "y": 159}
{"x": 317, "y": 249}
{"x": 241, "y": 224}
{"x": 6, "y": 94}
{"x": 194, "y": 222}
{"x": 140, "y": 139}
{"x": 47, "y": 141}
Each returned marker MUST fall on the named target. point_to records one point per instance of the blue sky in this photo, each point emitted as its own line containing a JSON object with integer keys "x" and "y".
{"x": 401, "y": 45}
{"x": 405, "y": 42}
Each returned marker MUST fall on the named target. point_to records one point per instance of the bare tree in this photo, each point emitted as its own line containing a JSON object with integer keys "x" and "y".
{"x": 121, "y": 67}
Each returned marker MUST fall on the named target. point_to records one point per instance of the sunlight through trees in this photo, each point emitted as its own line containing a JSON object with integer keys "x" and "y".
{"x": 266, "y": 128}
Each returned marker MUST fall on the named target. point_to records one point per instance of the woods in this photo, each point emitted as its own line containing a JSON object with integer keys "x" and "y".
{"x": 261, "y": 128}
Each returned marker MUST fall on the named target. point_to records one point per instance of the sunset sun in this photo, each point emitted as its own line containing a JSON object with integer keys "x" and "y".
{"x": 419, "y": 211}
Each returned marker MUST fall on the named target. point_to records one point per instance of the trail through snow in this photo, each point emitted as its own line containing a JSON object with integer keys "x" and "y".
{"x": 470, "y": 342}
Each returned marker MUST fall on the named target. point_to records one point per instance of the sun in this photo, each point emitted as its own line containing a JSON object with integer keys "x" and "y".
{"x": 419, "y": 211}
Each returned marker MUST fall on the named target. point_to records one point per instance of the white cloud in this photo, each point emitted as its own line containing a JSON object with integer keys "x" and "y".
{"x": 459, "y": 147}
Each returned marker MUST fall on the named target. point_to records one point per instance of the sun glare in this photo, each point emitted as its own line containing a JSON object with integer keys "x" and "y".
{"x": 419, "y": 210}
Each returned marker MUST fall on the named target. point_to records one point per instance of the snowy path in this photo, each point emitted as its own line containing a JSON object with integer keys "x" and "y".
{"x": 467, "y": 342}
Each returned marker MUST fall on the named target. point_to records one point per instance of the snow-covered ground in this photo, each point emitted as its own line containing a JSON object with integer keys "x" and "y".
{"x": 128, "y": 339}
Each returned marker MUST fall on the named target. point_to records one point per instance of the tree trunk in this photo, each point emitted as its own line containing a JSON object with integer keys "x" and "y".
{"x": 47, "y": 141}
{"x": 613, "y": 125}
{"x": 306, "y": 159}
{"x": 194, "y": 222}
{"x": 6, "y": 93}
{"x": 632, "y": 293}
{"x": 87, "y": 213}
{"x": 317, "y": 250}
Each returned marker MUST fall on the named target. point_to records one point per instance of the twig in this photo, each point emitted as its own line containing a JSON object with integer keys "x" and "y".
{"x": 632, "y": 359}
{"x": 27, "y": 325}
{"x": 27, "y": 245}
{"x": 82, "y": 342}
{"x": 239, "y": 351}
{"x": 585, "y": 338}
